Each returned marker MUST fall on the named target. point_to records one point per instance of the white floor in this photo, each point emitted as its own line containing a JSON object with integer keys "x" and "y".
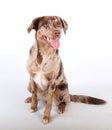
{"x": 15, "y": 114}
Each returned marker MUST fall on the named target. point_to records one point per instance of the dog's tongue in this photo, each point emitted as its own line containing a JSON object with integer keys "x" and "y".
{"x": 55, "y": 43}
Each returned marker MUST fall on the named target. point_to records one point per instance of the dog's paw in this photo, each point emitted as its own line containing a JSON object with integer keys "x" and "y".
{"x": 33, "y": 109}
{"x": 28, "y": 100}
{"x": 46, "y": 119}
{"x": 61, "y": 109}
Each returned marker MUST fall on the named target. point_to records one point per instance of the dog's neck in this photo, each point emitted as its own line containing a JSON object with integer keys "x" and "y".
{"x": 45, "y": 49}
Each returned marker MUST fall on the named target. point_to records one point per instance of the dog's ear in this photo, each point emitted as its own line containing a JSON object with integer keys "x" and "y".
{"x": 34, "y": 24}
{"x": 64, "y": 25}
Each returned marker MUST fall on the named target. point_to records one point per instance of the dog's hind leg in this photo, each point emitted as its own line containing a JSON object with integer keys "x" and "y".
{"x": 61, "y": 107}
{"x": 29, "y": 99}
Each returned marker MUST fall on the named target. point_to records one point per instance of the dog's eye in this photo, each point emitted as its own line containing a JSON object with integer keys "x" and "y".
{"x": 42, "y": 29}
{"x": 59, "y": 25}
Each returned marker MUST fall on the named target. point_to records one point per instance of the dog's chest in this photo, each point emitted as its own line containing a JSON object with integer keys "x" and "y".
{"x": 41, "y": 80}
{"x": 49, "y": 69}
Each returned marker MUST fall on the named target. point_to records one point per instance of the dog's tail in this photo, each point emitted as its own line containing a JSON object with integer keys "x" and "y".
{"x": 86, "y": 99}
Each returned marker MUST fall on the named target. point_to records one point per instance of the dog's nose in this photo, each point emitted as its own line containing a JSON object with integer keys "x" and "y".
{"x": 56, "y": 33}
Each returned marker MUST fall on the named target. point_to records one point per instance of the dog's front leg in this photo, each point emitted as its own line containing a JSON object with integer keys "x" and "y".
{"x": 46, "y": 117}
{"x": 34, "y": 97}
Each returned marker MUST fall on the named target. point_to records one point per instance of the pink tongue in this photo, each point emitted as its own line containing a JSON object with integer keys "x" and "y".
{"x": 54, "y": 43}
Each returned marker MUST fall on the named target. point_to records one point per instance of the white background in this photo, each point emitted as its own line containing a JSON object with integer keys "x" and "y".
{"x": 86, "y": 51}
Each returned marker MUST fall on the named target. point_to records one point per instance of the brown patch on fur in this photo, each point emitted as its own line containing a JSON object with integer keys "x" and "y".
{"x": 61, "y": 107}
{"x": 39, "y": 58}
{"x": 32, "y": 49}
{"x": 60, "y": 98}
{"x": 60, "y": 71}
{"x": 53, "y": 86}
{"x": 96, "y": 101}
{"x": 57, "y": 51}
{"x": 34, "y": 24}
{"x": 34, "y": 97}
{"x": 49, "y": 76}
{"x": 62, "y": 86}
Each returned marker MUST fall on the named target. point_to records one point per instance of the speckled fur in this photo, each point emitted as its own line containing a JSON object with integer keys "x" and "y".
{"x": 47, "y": 78}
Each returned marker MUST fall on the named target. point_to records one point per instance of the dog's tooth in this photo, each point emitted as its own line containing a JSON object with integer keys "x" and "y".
{"x": 47, "y": 39}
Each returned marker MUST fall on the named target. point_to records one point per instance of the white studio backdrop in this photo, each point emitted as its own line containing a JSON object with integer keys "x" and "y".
{"x": 86, "y": 50}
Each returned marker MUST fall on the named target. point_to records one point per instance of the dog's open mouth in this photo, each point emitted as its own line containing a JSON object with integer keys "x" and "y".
{"x": 54, "y": 42}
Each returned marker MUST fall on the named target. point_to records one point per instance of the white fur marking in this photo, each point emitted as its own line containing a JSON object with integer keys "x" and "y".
{"x": 41, "y": 80}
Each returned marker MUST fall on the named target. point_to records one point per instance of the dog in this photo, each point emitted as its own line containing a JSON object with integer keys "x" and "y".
{"x": 47, "y": 78}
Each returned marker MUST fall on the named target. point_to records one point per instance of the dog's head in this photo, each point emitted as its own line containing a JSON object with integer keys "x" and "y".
{"x": 48, "y": 29}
